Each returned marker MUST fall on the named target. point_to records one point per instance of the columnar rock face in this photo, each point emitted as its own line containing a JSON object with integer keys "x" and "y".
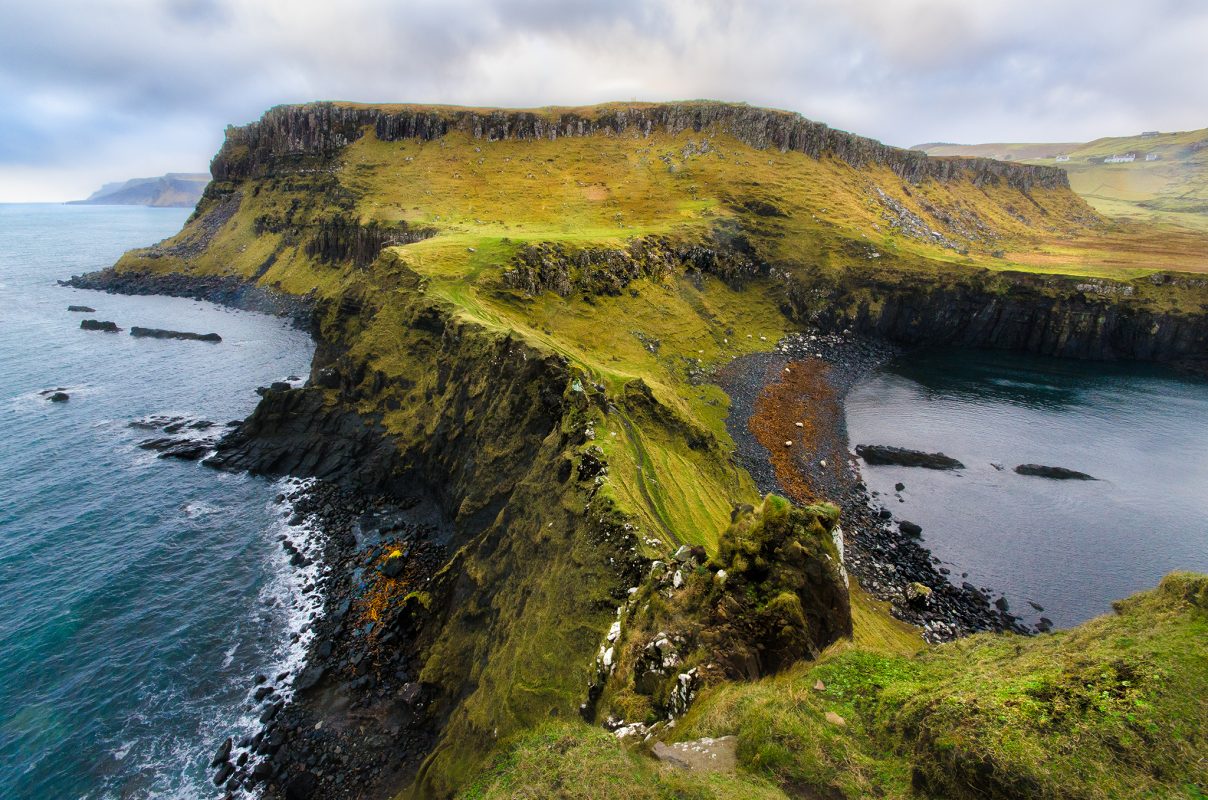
{"x": 320, "y": 130}
{"x": 1049, "y": 315}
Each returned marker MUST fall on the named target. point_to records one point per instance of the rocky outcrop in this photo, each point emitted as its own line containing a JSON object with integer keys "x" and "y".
{"x": 551, "y": 266}
{"x": 303, "y": 137}
{"x": 340, "y": 239}
{"x": 297, "y": 433}
{"x": 774, "y": 595}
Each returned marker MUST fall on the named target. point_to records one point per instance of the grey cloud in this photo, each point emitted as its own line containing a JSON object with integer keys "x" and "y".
{"x": 129, "y": 82}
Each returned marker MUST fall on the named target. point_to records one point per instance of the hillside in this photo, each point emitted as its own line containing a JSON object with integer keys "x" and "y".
{"x": 1171, "y": 188}
{"x": 174, "y": 190}
{"x": 523, "y": 314}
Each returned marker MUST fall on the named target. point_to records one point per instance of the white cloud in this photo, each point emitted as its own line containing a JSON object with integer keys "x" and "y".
{"x": 96, "y": 90}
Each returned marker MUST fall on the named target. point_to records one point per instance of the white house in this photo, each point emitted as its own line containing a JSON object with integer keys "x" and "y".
{"x": 1151, "y": 156}
{"x": 1063, "y": 158}
{"x": 1127, "y": 158}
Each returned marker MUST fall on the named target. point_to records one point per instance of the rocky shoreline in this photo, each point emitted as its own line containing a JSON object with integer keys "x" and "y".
{"x": 887, "y": 561}
{"x": 351, "y": 722}
{"x": 227, "y": 291}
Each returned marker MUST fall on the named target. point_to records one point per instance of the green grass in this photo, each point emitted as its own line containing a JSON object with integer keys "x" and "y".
{"x": 1115, "y": 708}
{"x": 572, "y": 761}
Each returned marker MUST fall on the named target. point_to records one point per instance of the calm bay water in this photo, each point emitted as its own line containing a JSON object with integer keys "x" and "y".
{"x": 1070, "y": 546}
{"x": 137, "y": 596}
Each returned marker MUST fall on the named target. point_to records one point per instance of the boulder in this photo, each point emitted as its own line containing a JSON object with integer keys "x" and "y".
{"x": 82, "y": 309}
{"x": 700, "y": 755}
{"x": 910, "y": 528}
{"x": 99, "y": 325}
{"x": 59, "y": 397}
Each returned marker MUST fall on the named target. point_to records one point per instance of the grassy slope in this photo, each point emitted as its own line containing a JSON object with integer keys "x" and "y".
{"x": 487, "y": 199}
{"x": 1112, "y": 709}
{"x": 1173, "y": 189}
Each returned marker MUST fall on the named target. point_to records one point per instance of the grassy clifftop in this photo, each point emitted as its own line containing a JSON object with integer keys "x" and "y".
{"x": 1167, "y": 182}
{"x": 531, "y": 305}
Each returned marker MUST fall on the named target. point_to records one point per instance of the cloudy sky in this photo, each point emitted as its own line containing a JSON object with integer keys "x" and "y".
{"x": 102, "y": 90}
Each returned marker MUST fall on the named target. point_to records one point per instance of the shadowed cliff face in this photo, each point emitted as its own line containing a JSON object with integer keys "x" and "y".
{"x": 1048, "y": 315}
{"x": 297, "y": 133}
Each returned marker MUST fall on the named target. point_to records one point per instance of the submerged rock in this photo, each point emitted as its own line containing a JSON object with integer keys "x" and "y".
{"x": 59, "y": 397}
{"x": 1056, "y": 473}
{"x": 84, "y": 309}
{"x": 159, "y": 333}
{"x": 877, "y": 454}
{"x": 99, "y": 325}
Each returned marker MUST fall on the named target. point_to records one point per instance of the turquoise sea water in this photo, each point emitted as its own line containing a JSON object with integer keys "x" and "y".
{"x": 138, "y": 596}
{"x": 1070, "y": 546}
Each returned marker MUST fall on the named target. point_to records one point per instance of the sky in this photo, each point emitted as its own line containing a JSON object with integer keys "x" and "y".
{"x": 93, "y": 91}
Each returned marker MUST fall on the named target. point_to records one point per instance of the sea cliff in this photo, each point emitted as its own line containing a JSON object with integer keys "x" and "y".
{"x": 521, "y": 316}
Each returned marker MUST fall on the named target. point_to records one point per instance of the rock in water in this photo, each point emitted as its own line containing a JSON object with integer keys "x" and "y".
{"x": 59, "y": 397}
{"x": 877, "y": 454}
{"x": 224, "y": 752}
{"x": 910, "y": 528}
{"x": 98, "y": 325}
{"x": 1056, "y": 473}
{"x": 84, "y": 309}
{"x": 159, "y": 333}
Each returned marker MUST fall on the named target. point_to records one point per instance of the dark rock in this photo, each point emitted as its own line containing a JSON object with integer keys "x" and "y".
{"x": 159, "y": 333}
{"x": 1002, "y": 605}
{"x": 83, "y": 309}
{"x": 899, "y": 487}
{"x": 98, "y": 325}
{"x": 186, "y": 450}
{"x": 910, "y": 528}
{"x": 1056, "y": 473}
{"x": 309, "y": 677}
{"x": 301, "y": 786}
{"x": 59, "y": 397}
{"x": 225, "y": 771}
{"x": 875, "y": 454}
{"x": 224, "y": 752}
{"x": 410, "y": 693}
{"x": 393, "y": 566}
{"x": 280, "y": 386}
{"x": 328, "y": 378}
{"x": 262, "y": 692}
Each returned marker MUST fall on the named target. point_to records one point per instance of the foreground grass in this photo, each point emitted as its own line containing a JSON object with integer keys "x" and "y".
{"x": 1115, "y": 708}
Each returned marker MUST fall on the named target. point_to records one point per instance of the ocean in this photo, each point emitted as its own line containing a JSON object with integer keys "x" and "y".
{"x": 139, "y": 596}
{"x": 1070, "y": 547}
